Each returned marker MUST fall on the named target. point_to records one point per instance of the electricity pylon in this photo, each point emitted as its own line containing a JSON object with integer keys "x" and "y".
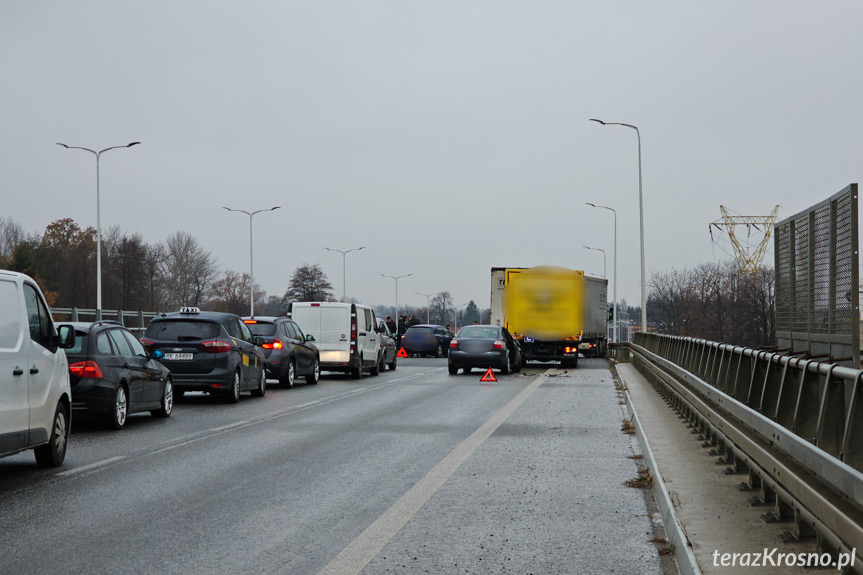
{"x": 748, "y": 259}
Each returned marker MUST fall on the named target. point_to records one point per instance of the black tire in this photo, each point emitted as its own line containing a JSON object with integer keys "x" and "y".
{"x": 167, "y": 400}
{"x": 233, "y": 394}
{"x": 507, "y": 366}
{"x": 439, "y": 351}
{"x": 261, "y": 390}
{"x": 53, "y": 453}
{"x": 287, "y": 381}
{"x": 392, "y": 365}
{"x": 376, "y": 369}
{"x": 357, "y": 373}
{"x": 116, "y": 419}
{"x": 452, "y": 369}
{"x": 315, "y": 375}
{"x": 466, "y": 370}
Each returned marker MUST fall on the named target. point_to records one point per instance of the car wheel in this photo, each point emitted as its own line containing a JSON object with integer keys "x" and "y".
{"x": 466, "y": 370}
{"x": 357, "y": 373}
{"x": 119, "y": 409}
{"x": 376, "y": 370}
{"x": 287, "y": 381}
{"x": 506, "y": 367}
{"x": 439, "y": 351}
{"x": 393, "y": 364}
{"x": 233, "y": 394}
{"x": 167, "y": 401}
{"x": 261, "y": 390}
{"x": 313, "y": 377}
{"x": 53, "y": 453}
{"x": 453, "y": 369}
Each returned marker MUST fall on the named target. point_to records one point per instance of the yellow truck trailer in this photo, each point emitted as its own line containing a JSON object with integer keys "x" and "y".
{"x": 554, "y": 312}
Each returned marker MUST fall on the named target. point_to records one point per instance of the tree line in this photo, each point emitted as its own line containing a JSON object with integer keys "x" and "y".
{"x": 160, "y": 276}
{"x": 715, "y": 301}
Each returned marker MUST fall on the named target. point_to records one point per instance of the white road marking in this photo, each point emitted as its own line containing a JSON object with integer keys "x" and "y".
{"x": 90, "y": 466}
{"x": 369, "y": 543}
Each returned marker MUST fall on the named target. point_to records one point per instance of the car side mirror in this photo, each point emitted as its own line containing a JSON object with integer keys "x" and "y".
{"x": 157, "y": 354}
{"x": 310, "y": 337}
{"x": 258, "y": 340}
{"x": 66, "y": 337}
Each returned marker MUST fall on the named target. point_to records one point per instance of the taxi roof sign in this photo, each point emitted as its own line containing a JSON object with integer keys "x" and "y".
{"x": 189, "y": 309}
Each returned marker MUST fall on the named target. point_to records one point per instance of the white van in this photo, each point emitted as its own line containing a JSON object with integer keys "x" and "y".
{"x": 344, "y": 334}
{"x": 34, "y": 375}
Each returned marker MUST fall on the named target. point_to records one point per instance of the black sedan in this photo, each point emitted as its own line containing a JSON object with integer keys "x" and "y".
{"x": 112, "y": 376}
{"x": 288, "y": 352}
{"x": 388, "y": 347}
{"x": 426, "y": 340}
{"x": 484, "y": 346}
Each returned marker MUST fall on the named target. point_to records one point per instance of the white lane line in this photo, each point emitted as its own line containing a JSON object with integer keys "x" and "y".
{"x": 90, "y": 466}
{"x": 369, "y": 543}
{"x": 224, "y": 427}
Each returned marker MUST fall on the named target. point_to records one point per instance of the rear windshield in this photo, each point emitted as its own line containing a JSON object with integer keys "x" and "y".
{"x": 262, "y": 328}
{"x": 181, "y": 330}
{"x": 479, "y": 332}
{"x": 80, "y": 344}
{"x": 416, "y": 329}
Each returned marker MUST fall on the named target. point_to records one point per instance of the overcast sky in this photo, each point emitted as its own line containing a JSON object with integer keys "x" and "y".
{"x": 446, "y": 137}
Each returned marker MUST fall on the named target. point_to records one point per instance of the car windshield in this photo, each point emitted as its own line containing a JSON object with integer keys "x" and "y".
{"x": 264, "y": 329}
{"x": 417, "y": 329}
{"x": 80, "y": 344}
{"x": 478, "y": 331}
{"x": 181, "y": 330}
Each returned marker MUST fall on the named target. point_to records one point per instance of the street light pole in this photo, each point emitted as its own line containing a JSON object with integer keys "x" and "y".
{"x": 615, "y": 332}
{"x": 604, "y": 267}
{"x": 640, "y": 220}
{"x": 344, "y": 281}
{"x": 98, "y": 218}
{"x": 397, "y": 278}
{"x": 251, "y": 255}
{"x": 428, "y": 305}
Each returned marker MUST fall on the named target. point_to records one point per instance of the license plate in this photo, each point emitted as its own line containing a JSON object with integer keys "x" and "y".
{"x": 179, "y": 356}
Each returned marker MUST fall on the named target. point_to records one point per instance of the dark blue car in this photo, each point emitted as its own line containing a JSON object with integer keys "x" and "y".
{"x": 427, "y": 340}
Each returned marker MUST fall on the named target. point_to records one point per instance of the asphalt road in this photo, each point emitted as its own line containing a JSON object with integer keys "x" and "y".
{"x": 411, "y": 471}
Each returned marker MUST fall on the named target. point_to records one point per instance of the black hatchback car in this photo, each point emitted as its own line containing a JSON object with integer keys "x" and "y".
{"x": 288, "y": 351}
{"x": 112, "y": 376}
{"x": 208, "y": 351}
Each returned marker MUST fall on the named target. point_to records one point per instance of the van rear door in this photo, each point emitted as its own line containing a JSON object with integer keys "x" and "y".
{"x": 14, "y": 369}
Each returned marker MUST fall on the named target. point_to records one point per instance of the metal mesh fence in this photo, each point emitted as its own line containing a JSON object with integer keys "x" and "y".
{"x": 817, "y": 307}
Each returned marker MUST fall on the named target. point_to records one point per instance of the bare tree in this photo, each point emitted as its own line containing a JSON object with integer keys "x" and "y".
{"x": 187, "y": 270}
{"x": 230, "y": 293}
{"x": 440, "y": 305}
{"x": 11, "y": 234}
{"x": 308, "y": 283}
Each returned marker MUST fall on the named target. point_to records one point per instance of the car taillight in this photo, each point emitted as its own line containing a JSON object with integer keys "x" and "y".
{"x": 497, "y": 344}
{"x": 85, "y": 369}
{"x": 453, "y": 344}
{"x": 274, "y": 345}
{"x": 148, "y": 344}
{"x": 353, "y": 335}
{"x": 216, "y": 346}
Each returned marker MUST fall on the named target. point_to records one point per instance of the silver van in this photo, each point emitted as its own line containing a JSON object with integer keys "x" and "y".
{"x": 34, "y": 374}
{"x": 345, "y": 334}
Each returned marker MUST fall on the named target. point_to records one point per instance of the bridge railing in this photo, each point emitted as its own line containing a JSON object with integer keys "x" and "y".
{"x": 135, "y": 321}
{"x": 796, "y": 423}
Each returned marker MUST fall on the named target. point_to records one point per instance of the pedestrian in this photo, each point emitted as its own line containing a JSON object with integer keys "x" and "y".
{"x": 391, "y": 325}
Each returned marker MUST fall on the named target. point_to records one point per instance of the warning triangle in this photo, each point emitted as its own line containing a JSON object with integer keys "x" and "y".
{"x": 402, "y": 353}
{"x": 489, "y": 376}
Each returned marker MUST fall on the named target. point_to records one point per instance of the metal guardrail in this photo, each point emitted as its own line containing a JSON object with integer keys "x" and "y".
{"x": 135, "y": 321}
{"x": 794, "y": 425}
